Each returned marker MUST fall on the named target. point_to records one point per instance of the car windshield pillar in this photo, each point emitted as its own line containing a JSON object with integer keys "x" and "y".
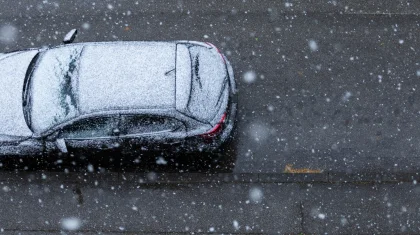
{"x": 26, "y": 98}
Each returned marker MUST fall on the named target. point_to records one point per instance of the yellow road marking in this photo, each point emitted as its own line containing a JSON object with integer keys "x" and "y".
{"x": 289, "y": 169}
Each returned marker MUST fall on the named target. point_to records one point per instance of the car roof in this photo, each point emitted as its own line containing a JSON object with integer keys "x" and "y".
{"x": 84, "y": 78}
{"x": 126, "y": 75}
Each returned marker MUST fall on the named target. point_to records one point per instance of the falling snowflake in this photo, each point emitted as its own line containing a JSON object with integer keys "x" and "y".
{"x": 256, "y": 195}
{"x": 71, "y": 223}
{"x": 259, "y": 132}
{"x": 161, "y": 161}
{"x": 321, "y": 216}
{"x": 344, "y": 221}
{"x": 6, "y": 189}
{"x": 86, "y": 26}
{"x": 235, "y": 225}
{"x": 313, "y": 45}
{"x": 346, "y": 96}
{"x": 250, "y": 76}
{"x": 90, "y": 168}
{"x": 8, "y": 33}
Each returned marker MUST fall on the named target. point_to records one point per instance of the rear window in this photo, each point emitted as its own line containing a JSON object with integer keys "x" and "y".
{"x": 208, "y": 81}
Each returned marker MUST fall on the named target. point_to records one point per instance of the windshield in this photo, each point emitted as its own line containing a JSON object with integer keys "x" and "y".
{"x": 49, "y": 97}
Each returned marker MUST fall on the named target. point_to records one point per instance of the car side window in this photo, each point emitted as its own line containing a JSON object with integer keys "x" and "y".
{"x": 146, "y": 124}
{"x": 89, "y": 128}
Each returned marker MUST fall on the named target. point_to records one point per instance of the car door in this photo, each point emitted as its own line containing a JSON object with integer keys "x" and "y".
{"x": 140, "y": 133}
{"x": 19, "y": 146}
{"x": 91, "y": 135}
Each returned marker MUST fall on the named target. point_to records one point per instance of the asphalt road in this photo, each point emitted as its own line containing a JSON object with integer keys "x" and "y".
{"x": 348, "y": 103}
{"x": 327, "y": 86}
{"x": 201, "y": 204}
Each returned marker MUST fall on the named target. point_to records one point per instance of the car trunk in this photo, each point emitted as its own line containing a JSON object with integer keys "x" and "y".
{"x": 201, "y": 71}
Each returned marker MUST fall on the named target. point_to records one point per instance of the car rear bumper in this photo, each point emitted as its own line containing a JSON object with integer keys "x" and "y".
{"x": 200, "y": 144}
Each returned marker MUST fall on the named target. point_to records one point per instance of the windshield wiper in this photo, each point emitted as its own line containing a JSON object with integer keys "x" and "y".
{"x": 196, "y": 68}
{"x": 170, "y": 71}
{"x": 26, "y": 98}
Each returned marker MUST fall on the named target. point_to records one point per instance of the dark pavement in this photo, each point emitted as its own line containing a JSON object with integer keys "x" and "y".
{"x": 350, "y": 105}
{"x": 186, "y": 203}
{"x": 325, "y": 86}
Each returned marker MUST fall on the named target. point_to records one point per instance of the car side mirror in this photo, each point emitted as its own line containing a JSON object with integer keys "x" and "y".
{"x": 61, "y": 145}
{"x": 70, "y": 36}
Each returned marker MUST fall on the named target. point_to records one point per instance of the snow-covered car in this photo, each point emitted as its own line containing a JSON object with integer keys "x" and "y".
{"x": 128, "y": 96}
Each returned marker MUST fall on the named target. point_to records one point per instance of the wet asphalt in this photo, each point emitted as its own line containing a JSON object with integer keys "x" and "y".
{"x": 329, "y": 87}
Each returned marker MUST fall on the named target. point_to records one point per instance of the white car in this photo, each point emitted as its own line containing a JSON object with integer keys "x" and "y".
{"x": 126, "y": 96}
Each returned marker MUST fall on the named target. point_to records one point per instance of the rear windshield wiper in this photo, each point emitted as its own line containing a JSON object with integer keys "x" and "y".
{"x": 170, "y": 71}
{"x": 196, "y": 71}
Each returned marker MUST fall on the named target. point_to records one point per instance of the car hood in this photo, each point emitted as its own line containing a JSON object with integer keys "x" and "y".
{"x": 12, "y": 74}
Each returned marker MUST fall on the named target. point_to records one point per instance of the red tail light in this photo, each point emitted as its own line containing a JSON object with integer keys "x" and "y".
{"x": 216, "y": 129}
{"x": 220, "y": 53}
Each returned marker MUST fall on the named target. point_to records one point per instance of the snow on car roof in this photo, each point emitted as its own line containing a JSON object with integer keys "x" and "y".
{"x": 127, "y": 75}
